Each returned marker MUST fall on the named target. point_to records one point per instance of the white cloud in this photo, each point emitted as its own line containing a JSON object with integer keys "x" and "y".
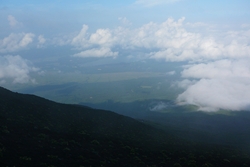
{"x": 223, "y": 84}
{"x": 80, "y": 40}
{"x": 124, "y": 21}
{"x": 41, "y": 41}
{"x": 102, "y": 37}
{"x": 161, "y": 37}
{"x": 13, "y": 22}
{"x": 175, "y": 43}
{"x": 219, "y": 69}
{"x": 102, "y": 41}
{"x": 16, "y": 42}
{"x": 96, "y": 52}
{"x": 171, "y": 72}
{"x": 27, "y": 39}
{"x": 16, "y": 69}
{"x": 215, "y": 94}
{"x": 62, "y": 40}
{"x": 185, "y": 83}
{"x": 159, "y": 106}
{"x": 170, "y": 41}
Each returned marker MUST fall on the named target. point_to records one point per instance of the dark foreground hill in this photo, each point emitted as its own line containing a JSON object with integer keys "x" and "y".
{"x": 231, "y": 128}
{"x": 38, "y": 132}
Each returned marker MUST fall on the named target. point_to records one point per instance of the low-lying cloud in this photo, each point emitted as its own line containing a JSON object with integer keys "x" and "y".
{"x": 160, "y": 106}
{"x": 223, "y": 84}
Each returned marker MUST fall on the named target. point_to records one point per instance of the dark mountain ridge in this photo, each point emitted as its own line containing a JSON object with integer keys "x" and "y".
{"x": 38, "y": 132}
{"x": 232, "y": 128}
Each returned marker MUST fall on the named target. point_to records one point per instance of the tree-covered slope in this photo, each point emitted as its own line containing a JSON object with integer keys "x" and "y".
{"x": 38, "y": 132}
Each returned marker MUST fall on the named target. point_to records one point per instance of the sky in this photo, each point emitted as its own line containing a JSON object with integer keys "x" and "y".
{"x": 211, "y": 37}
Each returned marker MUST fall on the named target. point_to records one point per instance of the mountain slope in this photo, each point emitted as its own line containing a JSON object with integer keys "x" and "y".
{"x": 232, "y": 128}
{"x": 38, "y": 132}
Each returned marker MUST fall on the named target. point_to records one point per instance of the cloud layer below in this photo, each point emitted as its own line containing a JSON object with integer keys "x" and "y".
{"x": 217, "y": 76}
{"x": 223, "y": 84}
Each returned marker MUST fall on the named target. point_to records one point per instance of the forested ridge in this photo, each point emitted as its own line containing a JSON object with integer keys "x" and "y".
{"x": 38, "y": 132}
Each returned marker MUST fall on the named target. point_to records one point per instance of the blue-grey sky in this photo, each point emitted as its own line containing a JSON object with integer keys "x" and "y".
{"x": 61, "y": 16}
{"x": 212, "y": 36}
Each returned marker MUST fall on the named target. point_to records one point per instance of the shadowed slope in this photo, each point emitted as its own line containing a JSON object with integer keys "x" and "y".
{"x": 38, "y": 132}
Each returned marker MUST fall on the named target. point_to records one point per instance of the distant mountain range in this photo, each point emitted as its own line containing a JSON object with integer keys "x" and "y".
{"x": 38, "y": 132}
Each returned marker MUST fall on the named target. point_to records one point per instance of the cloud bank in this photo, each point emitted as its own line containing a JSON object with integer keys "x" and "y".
{"x": 16, "y": 69}
{"x": 169, "y": 40}
{"x": 98, "y": 44}
{"x": 160, "y": 106}
{"x": 217, "y": 76}
{"x": 15, "y": 42}
{"x": 222, "y": 84}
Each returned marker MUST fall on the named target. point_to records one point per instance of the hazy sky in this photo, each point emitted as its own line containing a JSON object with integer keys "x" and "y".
{"x": 212, "y": 36}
